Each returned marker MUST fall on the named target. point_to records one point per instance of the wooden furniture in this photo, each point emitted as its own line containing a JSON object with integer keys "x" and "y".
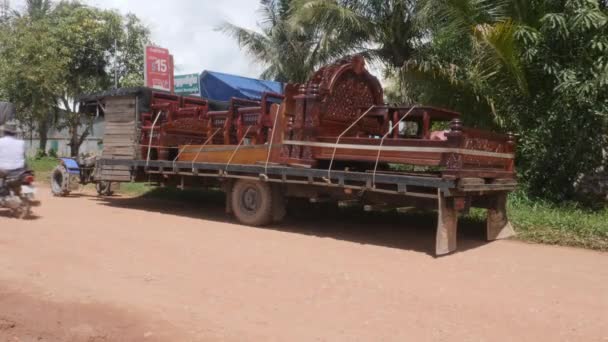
{"x": 336, "y": 120}
{"x": 329, "y": 103}
{"x": 256, "y": 123}
{"x": 331, "y": 138}
{"x": 257, "y": 143}
{"x": 222, "y": 124}
{"x": 172, "y": 121}
{"x": 339, "y": 117}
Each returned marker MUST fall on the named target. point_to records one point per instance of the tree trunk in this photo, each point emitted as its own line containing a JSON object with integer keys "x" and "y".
{"x": 74, "y": 142}
{"x": 76, "y": 139}
{"x": 43, "y": 129}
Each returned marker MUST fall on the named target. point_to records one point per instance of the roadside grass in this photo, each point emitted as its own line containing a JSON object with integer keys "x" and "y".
{"x": 42, "y": 168}
{"x": 135, "y": 189}
{"x": 567, "y": 224}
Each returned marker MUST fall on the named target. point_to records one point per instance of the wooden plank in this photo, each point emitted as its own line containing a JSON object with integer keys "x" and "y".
{"x": 117, "y": 137}
{"x": 116, "y": 168}
{"x": 245, "y": 156}
{"x": 119, "y": 144}
{"x": 122, "y": 128}
{"x": 126, "y": 135}
{"x": 116, "y": 173}
{"x": 115, "y": 178}
{"x": 126, "y": 146}
{"x": 122, "y": 118}
{"x": 118, "y": 153}
{"x": 119, "y": 148}
{"x": 116, "y": 150}
{"x": 122, "y": 156}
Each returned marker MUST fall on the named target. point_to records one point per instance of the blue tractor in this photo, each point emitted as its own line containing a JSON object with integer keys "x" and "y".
{"x": 73, "y": 173}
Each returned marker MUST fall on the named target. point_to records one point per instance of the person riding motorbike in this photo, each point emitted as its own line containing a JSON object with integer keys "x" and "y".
{"x": 12, "y": 153}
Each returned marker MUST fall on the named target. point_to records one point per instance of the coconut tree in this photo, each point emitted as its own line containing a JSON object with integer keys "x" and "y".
{"x": 538, "y": 68}
{"x": 383, "y": 30}
{"x": 290, "y": 53}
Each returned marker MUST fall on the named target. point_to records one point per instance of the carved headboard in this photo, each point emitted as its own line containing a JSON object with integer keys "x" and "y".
{"x": 344, "y": 88}
{"x": 329, "y": 103}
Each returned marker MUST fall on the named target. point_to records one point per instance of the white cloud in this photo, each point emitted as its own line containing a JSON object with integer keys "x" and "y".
{"x": 187, "y": 29}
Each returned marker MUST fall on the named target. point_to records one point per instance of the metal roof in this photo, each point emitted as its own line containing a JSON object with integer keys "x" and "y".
{"x": 222, "y": 87}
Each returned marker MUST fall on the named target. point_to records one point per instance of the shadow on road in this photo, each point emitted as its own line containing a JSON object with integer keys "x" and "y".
{"x": 411, "y": 231}
{"x": 9, "y": 215}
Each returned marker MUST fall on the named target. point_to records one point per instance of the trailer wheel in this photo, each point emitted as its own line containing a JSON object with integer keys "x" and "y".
{"x": 60, "y": 181}
{"x": 104, "y": 189}
{"x": 252, "y": 202}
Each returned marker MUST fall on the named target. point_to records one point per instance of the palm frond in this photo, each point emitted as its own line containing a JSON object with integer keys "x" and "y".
{"x": 460, "y": 15}
{"x": 255, "y": 43}
{"x": 269, "y": 13}
{"x": 331, "y": 15}
{"x": 497, "y": 51}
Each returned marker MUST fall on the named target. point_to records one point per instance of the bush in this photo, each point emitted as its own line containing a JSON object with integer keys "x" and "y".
{"x": 40, "y": 154}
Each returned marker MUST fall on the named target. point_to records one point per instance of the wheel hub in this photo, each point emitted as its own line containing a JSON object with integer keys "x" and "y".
{"x": 250, "y": 199}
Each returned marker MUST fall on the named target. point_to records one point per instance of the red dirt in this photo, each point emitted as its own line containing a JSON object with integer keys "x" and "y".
{"x": 139, "y": 270}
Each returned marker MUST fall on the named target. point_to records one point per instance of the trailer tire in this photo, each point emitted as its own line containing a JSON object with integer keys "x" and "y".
{"x": 252, "y": 202}
{"x": 60, "y": 181}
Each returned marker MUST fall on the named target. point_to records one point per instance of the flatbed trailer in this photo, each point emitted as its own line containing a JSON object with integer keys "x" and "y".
{"x": 256, "y": 194}
{"x": 331, "y": 139}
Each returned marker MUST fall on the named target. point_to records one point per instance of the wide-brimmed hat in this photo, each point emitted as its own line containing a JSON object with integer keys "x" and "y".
{"x": 10, "y": 128}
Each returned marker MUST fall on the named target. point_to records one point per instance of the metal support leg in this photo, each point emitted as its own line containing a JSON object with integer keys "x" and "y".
{"x": 447, "y": 226}
{"x": 498, "y": 226}
{"x": 227, "y": 188}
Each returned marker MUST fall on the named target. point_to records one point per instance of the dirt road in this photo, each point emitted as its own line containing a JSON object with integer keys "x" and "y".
{"x": 142, "y": 270}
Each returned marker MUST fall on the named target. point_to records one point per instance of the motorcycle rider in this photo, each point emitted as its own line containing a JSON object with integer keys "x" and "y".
{"x": 12, "y": 152}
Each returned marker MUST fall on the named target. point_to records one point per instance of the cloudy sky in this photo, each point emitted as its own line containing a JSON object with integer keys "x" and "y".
{"x": 187, "y": 29}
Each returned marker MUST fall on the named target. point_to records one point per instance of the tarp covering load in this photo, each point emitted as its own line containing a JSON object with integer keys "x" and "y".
{"x": 7, "y": 112}
{"x": 222, "y": 87}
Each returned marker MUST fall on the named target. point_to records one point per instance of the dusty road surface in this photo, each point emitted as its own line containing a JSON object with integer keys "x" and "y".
{"x": 88, "y": 269}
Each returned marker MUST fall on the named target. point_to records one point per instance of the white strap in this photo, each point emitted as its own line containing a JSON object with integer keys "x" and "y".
{"x": 382, "y": 143}
{"x": 333, "y": 156}
{"x": 237, "y": 149}
{"x": 151, "y": 135}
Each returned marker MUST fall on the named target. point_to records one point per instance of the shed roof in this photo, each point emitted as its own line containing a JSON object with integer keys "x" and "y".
{"x": 222, "y": 87}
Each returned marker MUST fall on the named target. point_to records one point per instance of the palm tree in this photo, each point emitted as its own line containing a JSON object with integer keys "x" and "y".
{"x": 489, "y": 30}
{"x": 382, "y": 30}
{"x": 37, "y": 9}
{"x": 289, "y": 53}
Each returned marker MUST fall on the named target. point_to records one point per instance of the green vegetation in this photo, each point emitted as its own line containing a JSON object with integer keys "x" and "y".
{"x": 42, "y": 167}
{"x": 565, "y": 224}
{"x": 135, "y": 189}
{"x": 55, "y": 51}
{"x": 536, "y": 68}
{"x": 289, "y": 54}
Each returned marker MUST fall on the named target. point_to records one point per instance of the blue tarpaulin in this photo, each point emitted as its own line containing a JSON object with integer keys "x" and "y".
{"x": 222, "y": 87}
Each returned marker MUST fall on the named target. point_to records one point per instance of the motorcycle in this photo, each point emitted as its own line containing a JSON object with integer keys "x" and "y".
{"x": 17, "y": 193}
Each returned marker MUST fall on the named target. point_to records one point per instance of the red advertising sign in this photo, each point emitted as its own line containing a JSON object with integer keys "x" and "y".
{"x": 159, "y": 68}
